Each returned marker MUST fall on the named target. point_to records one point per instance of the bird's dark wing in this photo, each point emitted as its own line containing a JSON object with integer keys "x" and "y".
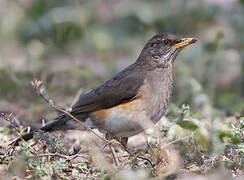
{"x": 121, "y": 88}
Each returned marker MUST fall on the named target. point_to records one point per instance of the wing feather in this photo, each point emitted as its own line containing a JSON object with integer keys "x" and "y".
{"x": 121, "y": 88}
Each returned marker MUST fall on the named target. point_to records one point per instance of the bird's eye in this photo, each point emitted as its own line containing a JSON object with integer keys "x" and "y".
{"x": 177, "y": 41}
{"x": 154, "y": 44}
{"x": 166, "y": 42}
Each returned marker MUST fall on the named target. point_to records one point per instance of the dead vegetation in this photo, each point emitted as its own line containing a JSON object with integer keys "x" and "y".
{"x": 167, "y": 151}
{"x": 81, "y": 43}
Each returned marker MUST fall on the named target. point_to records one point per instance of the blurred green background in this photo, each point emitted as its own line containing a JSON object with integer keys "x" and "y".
{"x": 81, "y": 43}
{"x": 73, "y": 44}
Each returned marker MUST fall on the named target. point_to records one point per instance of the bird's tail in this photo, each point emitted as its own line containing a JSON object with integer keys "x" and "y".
{"x": 57, "y": 124}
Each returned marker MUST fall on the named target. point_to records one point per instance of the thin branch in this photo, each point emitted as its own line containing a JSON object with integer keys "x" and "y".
{"x": 29, "y": 147}
{"x": 137, "y": 156}
{"x": 10, "y": 118}
{"x": 78, "y": 155}
{"x": 76, "y": 98}
{"x": 40, "y": 89}
{"x": 114, "y": 157}
{"x": 67, "y": 158}
{"x": 179, "y": 139}
{"x": 146, "y": 159}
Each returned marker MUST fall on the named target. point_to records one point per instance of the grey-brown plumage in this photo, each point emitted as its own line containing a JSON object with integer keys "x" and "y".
{"x": 132, "y": 100}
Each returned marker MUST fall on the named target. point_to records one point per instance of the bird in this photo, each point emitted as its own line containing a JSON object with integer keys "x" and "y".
{"x": 134, "y": 99}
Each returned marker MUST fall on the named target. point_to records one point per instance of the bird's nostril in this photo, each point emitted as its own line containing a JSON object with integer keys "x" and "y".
{"x": 193, "y": 40}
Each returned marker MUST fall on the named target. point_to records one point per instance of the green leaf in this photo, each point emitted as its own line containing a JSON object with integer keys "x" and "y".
{"x": 187, "y": 125}
{"x": 234, "y": 139}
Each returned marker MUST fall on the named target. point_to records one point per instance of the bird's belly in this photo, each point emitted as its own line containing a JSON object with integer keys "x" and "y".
{"x": 123, "y": 120}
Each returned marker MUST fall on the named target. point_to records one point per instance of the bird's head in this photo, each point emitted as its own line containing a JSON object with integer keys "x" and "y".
{"x": 162, "y": 48}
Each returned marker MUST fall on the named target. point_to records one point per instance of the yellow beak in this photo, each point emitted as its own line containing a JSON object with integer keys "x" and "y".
{"x": 185, "y": 42}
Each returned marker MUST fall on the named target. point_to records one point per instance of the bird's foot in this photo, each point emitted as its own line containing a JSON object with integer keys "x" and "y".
{"x": 123, "y": 141}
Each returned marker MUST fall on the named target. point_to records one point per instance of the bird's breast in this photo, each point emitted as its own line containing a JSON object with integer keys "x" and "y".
{"x": 123, "y": 120}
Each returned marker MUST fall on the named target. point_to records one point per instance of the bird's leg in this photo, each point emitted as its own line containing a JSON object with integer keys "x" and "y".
{"x": 108, "y": 137}
{"x": 124, "y": 141}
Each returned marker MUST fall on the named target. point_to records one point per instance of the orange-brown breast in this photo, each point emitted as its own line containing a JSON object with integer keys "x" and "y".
{"x": 122, "y": 118}
{"x": 132, "y": 107}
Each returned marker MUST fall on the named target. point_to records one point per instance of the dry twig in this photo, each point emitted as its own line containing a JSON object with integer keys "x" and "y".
{"x": 11, "y": 118}
{"x": 179, "y": 139}
{"x": 67, "y": 158}
{"x": 40, "y": 89}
